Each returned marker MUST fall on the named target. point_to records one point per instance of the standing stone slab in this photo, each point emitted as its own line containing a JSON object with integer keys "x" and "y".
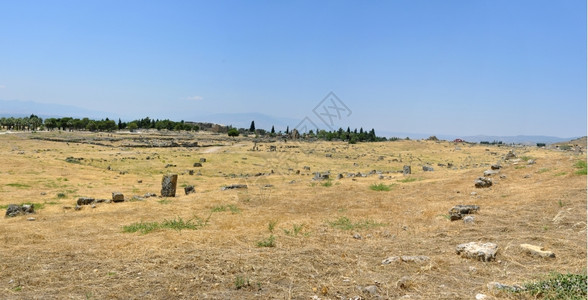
{"x": 168, "y": 185}
{"x": 406, "y": 170}
{"x": 478, "y": 250}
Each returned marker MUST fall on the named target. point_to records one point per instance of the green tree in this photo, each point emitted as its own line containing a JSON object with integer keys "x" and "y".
{"x": 233, "y": 132}
{"x": 252, "y": 126}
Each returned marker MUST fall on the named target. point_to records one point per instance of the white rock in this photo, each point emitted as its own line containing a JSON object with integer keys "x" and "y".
{"x": 478, "y": 250}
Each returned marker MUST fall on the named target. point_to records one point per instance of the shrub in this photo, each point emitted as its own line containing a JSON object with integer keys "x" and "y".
{"x": 233, "y": 132}
{"x": 581, "y": 165}
{"x": 380, "y": 187}
{"x": 557, "y": 286}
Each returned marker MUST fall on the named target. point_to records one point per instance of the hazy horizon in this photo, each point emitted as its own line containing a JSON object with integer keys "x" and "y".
{"x": 467, "y": 68}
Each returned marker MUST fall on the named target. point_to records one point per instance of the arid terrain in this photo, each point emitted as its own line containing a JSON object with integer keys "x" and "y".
{"x": 286, "y": 236}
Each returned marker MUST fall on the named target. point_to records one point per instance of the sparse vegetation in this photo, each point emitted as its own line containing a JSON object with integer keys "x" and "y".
{"x": 269, "y": 242}
{"x": 231, "y": 207}
{"x": 176, "y": 224}
{"x": 241, "y": 282}
{"x": 581, "y": 166}
{"x": 345, "y": 223}
{"x": 381, "y": 187}
{"x": 557, "y": 286}
{"x": 408, "y": 179}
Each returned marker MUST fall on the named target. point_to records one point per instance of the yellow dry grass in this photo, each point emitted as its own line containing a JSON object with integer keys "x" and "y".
{"x": 85, "y": 254}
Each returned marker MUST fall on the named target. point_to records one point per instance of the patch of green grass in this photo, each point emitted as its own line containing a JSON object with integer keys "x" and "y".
{"x": 241, "y": 282}
{"x": 581, "y": 165}
{"x": 164, "y": 201}
{"x": 176, "y": 224}
{"x": 18, "y": 185}
{"x": 560, "y": 203}
{"x": 327, "y": 183}
{"x": 222, "y": 208}
{"x": 526, "y": 158}
{"x": 557, "y": 286}
{"x": 345, "y": 223}
{"x": 560, "y": 174}
{"x": 61, "y": 195}
{"x": 381, "y": 187}
{"x": 272, "y": 225}
{"x": 17, "y": 289}
{"x": 296, "y": 229}
{"x": 269, "y": 242}
{"x": 543, "y": 170}
{"x": 408, "y": 179}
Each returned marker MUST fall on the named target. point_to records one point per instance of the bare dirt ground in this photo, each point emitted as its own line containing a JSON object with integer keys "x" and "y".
{"x": 85, "y": 254}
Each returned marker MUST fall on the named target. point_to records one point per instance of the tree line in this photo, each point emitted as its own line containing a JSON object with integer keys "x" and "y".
{"x": 33, "y": 123}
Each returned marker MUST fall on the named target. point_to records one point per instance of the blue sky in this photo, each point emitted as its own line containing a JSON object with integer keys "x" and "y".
{"x": 439, "y": 67}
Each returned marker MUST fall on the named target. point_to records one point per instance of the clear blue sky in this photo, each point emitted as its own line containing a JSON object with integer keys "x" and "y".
{"x": 443, "y": 67}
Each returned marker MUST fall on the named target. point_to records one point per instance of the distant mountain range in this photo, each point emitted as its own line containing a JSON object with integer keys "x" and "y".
{"x": 243, "y": 120}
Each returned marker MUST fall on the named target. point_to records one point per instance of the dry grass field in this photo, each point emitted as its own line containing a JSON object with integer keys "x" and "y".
{"x": 286, "y": 236}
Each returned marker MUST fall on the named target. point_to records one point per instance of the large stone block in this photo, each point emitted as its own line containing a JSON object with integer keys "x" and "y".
{"x": 168, "y": 185}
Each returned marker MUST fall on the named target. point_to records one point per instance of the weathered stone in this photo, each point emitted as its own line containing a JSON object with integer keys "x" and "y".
{"x": 168, "y": 185}
{"x": 14, "y": 210}
{"x": 510, "y": 155}
{"x": 197, "y": 165}
{"x": 531, "y": 162}
{"x": 191, "y": 172}
{"x": 468, "y": 220}
{"x": 189, "y": 190}
{"x": 202, "y": 160}
{"x": 495, "y": 167}
{"x": 407, "y": 259}
{"x": 465, "y": 209}
{"x": 478, "y": 250}
{"x": 78, "y": 207}
{"x": 483, "y": 182}
{"x": 31, "y": 219}
{"x": 490, "y": 173}
{"x": 234, "y": 186}
{"x": 118, "y": 197}
{"x": 371, "y": 289}
{"x": 340, "y": 176}
{"x": 357, "y": 236}
{"x": 306, "y": 168}
{"x": 85, "y": 201}
{"x": 320, "y": 176}
{"x": 328, "y": 155}
{"x": 406, "y": 170}
{"x": 427, "y": 168}
{"x": 537, "y": 251}
{"x": 454, "y": 216}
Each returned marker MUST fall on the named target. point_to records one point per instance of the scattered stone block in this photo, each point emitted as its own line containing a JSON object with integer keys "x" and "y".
{"x": 465, "y": 209}
{"x": 14, "y": 210}
{"x": 490, "y": 173}
{"x": 202, "y": 160}
{"x": 189, "y": 190}
{"x": 483, "y": 182}
{"x": 197, "y": 165}
{"x": 234, "y": 186}
{"x": 468, "y": 220}
{"x": 495, "y": 167}
{"x": 510, "y": 155}
{"x": 427, "y": 168}
{"x": 168, "y": 185}
{"x": 118, "y": 197}
{"x": 85, "y": 201}
{"x": 477, "y": 250}
{"x": 537, "y": 251}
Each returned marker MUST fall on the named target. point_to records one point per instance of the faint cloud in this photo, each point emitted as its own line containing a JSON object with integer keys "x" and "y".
{"x": 194, "y": 98}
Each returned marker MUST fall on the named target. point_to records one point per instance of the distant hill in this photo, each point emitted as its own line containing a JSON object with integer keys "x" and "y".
{"x": 13, "y": 108}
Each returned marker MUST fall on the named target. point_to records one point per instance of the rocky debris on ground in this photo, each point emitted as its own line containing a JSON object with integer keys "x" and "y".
{"x": 404, "y": 283}
{"x": 497, "y": 286}
{"x": 357, "y": 236}
{"x": 197, "y": 165}
{"x": 468, "y": 220}
{"x": 189, "y": 190}
{"x": 31, "y": 219}
{"x": 406, "y": 170}
{"x": 405, "y": 258}
{"x": 481, "y": 296}
{"x": 321, "y": 176}
{"x": 78, "y": 207}
{"x": 234, "y": 186}
{"x": 14, "y": 210}
{"x": 370, "y": 289}
{"x": 488, "y": 173}
{"x": 510, "y": 155}
{"x": 306, "y": 168}
{"x": 85, "y": 201}
{"x": 537, "y": 251}
{"x": 483, "y": 182}
{"x": 495, "y": 167}
{"x": 168, "y": 185}
{"x": 118, "y": 197}
{"x": 457, "y": 212}
{"x": 202, "y": 160}
{"x": 427, "y": 168}
{"x": 531, "y": 162}
{"x": 478, "y": 250}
